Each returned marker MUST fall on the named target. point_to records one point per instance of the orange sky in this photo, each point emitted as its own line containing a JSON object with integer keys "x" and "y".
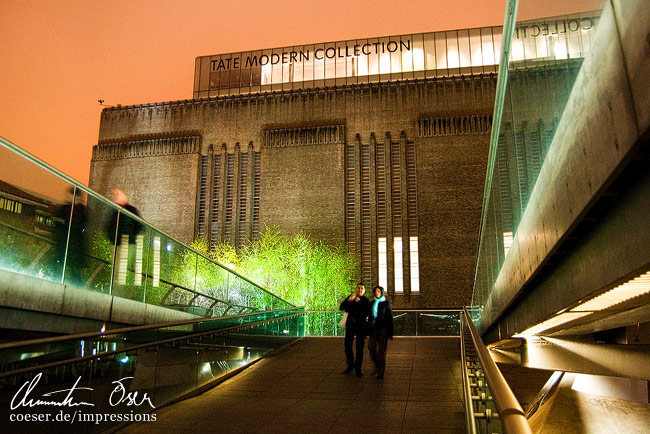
{"x": 60, "y": 57}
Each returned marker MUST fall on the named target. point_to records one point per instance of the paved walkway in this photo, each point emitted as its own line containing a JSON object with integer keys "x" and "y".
{"x": 301, "y": 389}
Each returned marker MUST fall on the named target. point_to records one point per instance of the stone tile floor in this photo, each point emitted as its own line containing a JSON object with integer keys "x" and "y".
{"x": 301, "y": 389}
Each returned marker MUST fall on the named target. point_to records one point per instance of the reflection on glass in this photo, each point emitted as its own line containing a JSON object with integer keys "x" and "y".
{"x": 521, "y": 142}
{"x": 54, "y": 229}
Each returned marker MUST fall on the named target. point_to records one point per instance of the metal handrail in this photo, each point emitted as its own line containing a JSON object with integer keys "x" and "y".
{"x": 467, "y": 392}
{"x": 40, "y": 163}
{"x": 511, "y": 414}
{"x": 140, "y": 346}
{"x": 106, "y": 333}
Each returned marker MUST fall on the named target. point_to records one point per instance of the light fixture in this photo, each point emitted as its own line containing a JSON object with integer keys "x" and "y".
{"x": 633, "y": 288}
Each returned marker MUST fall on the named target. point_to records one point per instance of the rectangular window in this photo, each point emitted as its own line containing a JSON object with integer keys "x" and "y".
{"x": 415, "y": 265}
{"x": 418, "y": 53}
{"x": 507, "y": 242}
{"x": 399, "y": 271}
{"x": 453, "y": 55}
{"x": 156, "y": 262}
{"x": 384, "y": 57}
{"x": 487, "y": 47}
{"x": 430, "y": 51}
{"x": 139, "y": 250}
{"x": 373, "y": 57}
{"x": 383, "y": 263}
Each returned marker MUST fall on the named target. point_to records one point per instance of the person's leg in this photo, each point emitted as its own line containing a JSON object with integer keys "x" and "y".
{"x": 349, "y": 356}
{"x": 359, "y": 359}
{"x": 372, "y": 348}
{"x": 382, "y": 343}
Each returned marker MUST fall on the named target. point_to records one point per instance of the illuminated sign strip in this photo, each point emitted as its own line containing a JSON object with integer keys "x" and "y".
{"x": 391, "y": 58}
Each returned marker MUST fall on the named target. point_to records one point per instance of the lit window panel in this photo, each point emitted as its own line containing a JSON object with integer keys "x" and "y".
{"x": 383, "y": 262}
{"x": 399, "y": 270}
{"x": 415, "y": 264}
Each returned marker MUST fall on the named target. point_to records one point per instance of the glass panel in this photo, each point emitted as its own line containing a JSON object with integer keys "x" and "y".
{"x": 204, "y": 78}
{"x": 299, "y": 63}
{"x": 393, "y": 48}
{"x": 453, "y": 54}
{"x": 404, "y": 323}
{"x": 342, "y": 52}
{"x": 308, "y": 69}
{"x": 265, "y": 63}
{"x": 276, "y": 66}
{"x": 256, "y": 68}
{"x": 463, "y": 48}
{"x": 235, "y": 70}
{"x": 475, "y": 47}
{"x": 487, "y": 47}
{"x": 384, "y": 56}
{"x": 418, "y": 53}
{"x": 430, "y": 51}
{"x": 330, "y": 60}
{"x": 521, "y": 140}
{"x": 406, "y": 49}
{"x": 432, "y": 323}
{"x": 441, "y": 50}
{"x": 373, "y": 57}
{"x": 34, "y": 219}
{"x": 319, "y": 63}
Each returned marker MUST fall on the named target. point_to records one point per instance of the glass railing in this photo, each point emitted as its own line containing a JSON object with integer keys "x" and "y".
{"x": 124, "y": 376}
{"x": 23, "y": 356}
{"x": 406, "y": 323}
{"x": 490, "y": 405}
{"x": 540, "y": 59}
{"x": 56, "y": 229}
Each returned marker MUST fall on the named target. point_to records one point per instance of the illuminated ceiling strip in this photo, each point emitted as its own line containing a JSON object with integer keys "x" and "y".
{"x": 625, "y": 291}
{"x": 553, "y": 322}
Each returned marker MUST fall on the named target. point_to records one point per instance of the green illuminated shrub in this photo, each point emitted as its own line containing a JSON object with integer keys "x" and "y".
{"x": 297, "y": 269}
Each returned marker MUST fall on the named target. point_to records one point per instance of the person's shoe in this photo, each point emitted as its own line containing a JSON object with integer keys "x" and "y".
{"x": 379, "y": 376}
{"x": 348, "y": 370}
{"x": 359, "y": 374}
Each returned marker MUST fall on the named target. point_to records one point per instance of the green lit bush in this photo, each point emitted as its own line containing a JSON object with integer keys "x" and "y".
{"x": 295, "y": 268}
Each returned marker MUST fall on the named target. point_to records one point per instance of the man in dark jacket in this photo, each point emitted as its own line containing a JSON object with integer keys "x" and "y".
{"x": 381, "y": 329}
{"x": 358, "y": 309}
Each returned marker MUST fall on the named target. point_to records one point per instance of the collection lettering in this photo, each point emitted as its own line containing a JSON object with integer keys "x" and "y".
{"x": 554, "y": 28}
{"x": 229, "y": 63}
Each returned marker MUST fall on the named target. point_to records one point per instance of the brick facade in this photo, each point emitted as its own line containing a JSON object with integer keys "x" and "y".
{"x": 343, "y": 164}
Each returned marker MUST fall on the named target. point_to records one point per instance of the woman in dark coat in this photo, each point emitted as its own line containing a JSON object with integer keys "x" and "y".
{"x": 381, "y": 329}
